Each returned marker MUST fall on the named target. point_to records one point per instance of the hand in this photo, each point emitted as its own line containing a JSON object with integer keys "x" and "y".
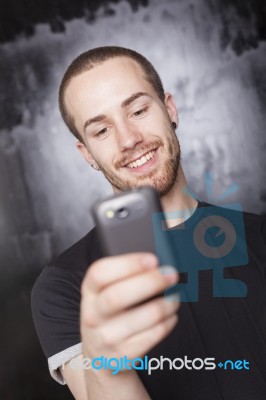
{"x": 114, "y": 320}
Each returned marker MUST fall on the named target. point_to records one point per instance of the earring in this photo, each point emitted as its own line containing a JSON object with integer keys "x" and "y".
{"x": 95, "y": 167}
{"x": 174, "y": 125}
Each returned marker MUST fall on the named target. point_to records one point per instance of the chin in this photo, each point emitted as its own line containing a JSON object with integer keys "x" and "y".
{"x": 161, "y": 185}
{"x": 162, "y": 182}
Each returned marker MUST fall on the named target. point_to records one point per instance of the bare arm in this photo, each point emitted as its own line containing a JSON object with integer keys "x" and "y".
{"x": 116, "y": 323}
{"x": 90, "y": 385}
{"x": 75, "y": 379}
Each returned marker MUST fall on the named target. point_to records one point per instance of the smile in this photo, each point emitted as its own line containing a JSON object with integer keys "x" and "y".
{"x": 142, "y": 160}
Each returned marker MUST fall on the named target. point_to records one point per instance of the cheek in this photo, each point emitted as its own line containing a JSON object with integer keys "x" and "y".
{"x": 104, "y": 156}
{"x": 160, "y": 123}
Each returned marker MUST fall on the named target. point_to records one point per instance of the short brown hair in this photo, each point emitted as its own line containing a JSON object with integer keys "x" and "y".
{"x": 96, "y": 56}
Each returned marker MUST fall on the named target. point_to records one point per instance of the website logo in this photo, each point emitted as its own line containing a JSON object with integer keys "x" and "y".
{"x": 210, "y": 238}
{"x": 116, "y": 365}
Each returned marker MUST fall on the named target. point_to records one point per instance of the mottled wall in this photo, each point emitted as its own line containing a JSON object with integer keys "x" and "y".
{"x": 210, "y": 54}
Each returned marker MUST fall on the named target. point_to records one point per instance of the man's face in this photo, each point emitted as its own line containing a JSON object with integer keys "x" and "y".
{"x": 127, "y": 130}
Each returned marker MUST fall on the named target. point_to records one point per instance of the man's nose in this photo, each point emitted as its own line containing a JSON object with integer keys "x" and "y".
{"x": 128, "y": 136}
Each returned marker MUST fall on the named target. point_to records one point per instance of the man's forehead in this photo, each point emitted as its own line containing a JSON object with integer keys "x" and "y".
{"x": 119, "y": 76}
{"x": 118, "y": 70}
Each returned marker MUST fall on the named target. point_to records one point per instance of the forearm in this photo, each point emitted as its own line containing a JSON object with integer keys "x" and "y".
{"x": 101, "y": 384}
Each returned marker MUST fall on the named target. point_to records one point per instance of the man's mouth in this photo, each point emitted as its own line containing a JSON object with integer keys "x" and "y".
{"x": 141, "y": 160}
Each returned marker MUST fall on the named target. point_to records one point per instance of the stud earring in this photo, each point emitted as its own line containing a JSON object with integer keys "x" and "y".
{"x": 174, "y": 125}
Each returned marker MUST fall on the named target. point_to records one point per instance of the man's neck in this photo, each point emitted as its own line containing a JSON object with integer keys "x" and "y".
{"x": 178, "y": 204}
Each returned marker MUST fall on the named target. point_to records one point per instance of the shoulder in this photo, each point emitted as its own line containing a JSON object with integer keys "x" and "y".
{"x": 63, "y": 275}
{"x": 251, "y": 220}
{"x": 55, "y": 297}
{"x": 254, "y": 222}
{"x": 254, "y": 225}
{"x": 80, "y": 255}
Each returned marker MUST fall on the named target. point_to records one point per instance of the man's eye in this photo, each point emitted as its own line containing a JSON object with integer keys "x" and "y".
{"x": 140, "y": 112}
{"x": 101, "y": 132}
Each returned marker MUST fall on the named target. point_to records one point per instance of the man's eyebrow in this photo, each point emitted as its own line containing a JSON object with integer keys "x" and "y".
{"x": 132, "y": 98}
{"x": 93, "y": 120}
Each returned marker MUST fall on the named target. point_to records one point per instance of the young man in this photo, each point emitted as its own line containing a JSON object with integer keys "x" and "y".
{"x": 113, "y": 101}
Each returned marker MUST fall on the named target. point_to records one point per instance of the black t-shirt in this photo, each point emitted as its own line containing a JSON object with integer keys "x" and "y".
{"x": 224, "y": 328}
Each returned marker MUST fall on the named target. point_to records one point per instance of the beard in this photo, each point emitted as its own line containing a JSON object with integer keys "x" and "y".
{"x": 161, "y": 180}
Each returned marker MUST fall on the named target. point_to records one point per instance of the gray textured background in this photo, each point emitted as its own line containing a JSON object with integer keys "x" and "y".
{"x": 210, "y": 54}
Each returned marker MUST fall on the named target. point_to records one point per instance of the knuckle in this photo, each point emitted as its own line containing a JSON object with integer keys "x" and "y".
{"x": 94, "y": 274}
{"x": 109, "y": 301}
{"x": 107, "y": 339}
{"x": 158, "y": 311}
{"x": 164, "y": 327}
{"x": 90, "y": 319}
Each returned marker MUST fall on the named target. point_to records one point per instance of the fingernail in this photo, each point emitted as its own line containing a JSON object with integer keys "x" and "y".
{"x": 149, "y": 261}
{"x": 169, "y": 271}
{"x": 173, "y": 297}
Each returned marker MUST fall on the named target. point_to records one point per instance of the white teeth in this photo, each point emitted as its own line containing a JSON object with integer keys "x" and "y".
{"x": 142, "y": 160}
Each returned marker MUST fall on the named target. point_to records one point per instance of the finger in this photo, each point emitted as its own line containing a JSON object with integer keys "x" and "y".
{"x": 107, "y": 270}
{"x": 139, "y": 319}
{"x": 140, "y": 344}
{"x": 138, "y": 288}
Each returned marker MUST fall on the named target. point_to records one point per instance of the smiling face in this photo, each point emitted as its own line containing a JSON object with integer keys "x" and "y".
{"x": 126, "y": 129}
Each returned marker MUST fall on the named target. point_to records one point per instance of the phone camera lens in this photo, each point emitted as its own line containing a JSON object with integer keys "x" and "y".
{"x": 122, "y": 212}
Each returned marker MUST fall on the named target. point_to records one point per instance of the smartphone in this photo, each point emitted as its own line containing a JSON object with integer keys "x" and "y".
{"x": 124, "y": 221}
{"x": 133, "y": 221}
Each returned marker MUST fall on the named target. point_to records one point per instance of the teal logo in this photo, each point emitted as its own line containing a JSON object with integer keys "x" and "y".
{"x": 212, "y": 238}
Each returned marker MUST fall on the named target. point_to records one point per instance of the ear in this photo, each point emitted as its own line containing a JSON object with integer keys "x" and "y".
{"x": 86, "y": 155}
{"x": 171, "y": 108}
